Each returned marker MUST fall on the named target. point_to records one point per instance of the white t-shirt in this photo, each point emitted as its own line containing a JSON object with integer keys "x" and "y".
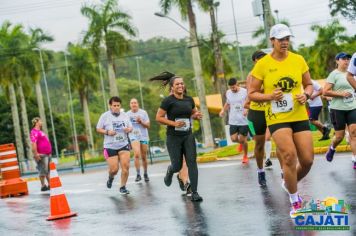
{"x": 108, "y": 121}
{"x": 352, "y": 65}
{"x": 139, "y": 132}
{"x": 236, "y": 102}
{"x": 316, "y": 102}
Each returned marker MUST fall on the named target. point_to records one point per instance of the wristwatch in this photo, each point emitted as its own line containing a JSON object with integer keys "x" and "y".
{"x": 307, "y": 95}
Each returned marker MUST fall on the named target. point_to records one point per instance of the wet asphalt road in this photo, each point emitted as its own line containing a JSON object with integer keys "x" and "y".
{"x": 233, "y": 203}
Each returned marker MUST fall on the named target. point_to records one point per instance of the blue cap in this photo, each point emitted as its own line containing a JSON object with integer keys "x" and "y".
{"x": 342, "y": 55}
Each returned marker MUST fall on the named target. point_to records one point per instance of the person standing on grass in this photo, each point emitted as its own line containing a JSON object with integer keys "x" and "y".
{"x": 115, "y": 126}
{"x": 139, "y": 137}
{"x": 42, "y": 150}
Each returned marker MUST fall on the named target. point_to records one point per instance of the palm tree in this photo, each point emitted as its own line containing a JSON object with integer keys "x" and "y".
{"x": 37, "y": 37}
{"x": 108, "y": 23}
{"x": 185, "y": 8}
{"x": 326, "y": 46}
{"x": 83, "y": 79}
{"x": 11, "y": 40}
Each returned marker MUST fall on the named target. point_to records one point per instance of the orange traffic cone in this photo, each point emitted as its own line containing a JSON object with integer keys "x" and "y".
{"x": 59, "y": 205}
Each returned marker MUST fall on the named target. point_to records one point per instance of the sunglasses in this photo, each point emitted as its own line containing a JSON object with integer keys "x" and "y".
{"x": 284, "y": 39}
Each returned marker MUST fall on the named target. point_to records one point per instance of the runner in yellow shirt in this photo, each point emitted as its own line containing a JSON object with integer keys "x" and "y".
{"x": 282, "y": 75}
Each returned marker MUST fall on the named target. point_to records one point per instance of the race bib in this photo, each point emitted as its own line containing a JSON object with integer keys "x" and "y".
{"x": 284, "y": 105}
{"x": 238, "y": 107}
{"x": 349, "y": 99}
{"x": 136, "y": 133}
{"x": 186, "y": 127}
{"x": 120, "y": 137}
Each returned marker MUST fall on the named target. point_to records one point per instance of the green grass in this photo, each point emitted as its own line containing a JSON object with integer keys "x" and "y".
{"x": 231, "y": 150}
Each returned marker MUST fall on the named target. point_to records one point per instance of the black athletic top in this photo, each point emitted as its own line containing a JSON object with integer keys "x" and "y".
{"x": 178, "y": 109}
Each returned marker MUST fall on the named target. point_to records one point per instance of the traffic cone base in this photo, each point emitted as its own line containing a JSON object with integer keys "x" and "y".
{"x": 57, "y": 217}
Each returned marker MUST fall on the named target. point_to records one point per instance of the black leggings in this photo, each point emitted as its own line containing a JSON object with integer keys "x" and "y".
{"x": 184, "y": 145}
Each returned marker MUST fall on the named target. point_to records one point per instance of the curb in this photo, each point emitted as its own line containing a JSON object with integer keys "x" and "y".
{"x": 212, "y": 157}
{"x": 29, "y": 179}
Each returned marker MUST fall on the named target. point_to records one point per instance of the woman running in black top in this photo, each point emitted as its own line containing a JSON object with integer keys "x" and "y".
{"x": 176, "y": 111}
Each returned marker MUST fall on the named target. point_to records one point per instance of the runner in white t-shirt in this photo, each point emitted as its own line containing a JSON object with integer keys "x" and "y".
{"x": 235, "y": 100}
{"x": 315, "y": 106}
{"x": 115, "y": 126}
{"x": 139, "y": 137}
{"x": 351, "y": 71}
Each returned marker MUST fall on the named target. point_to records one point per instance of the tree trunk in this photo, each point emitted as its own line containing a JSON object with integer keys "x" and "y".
{"x": 16, "y": 124}
{"x": 25, "y": 127}
{"x": 88, "y": 123}
{"x": 41, "y": 108}
{"x": 111, "y": 74}
{"x": 206, "y": 131}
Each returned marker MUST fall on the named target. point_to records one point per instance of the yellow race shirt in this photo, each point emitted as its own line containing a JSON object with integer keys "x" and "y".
{"x": 287, "y": 75}
{"x": 257, "y": 106}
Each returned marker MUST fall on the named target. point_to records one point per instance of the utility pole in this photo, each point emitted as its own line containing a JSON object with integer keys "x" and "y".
{"x": 267, "y": 20}
{"x": 237, "y": 40}
{"x": 219, "y": 64}
{"x": 75, "y": 138}
{"x": 220, "y": 80}
{"x": 139, "y": 80}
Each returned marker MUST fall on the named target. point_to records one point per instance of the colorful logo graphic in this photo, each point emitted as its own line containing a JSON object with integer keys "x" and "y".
{"x": 327, "y": 214}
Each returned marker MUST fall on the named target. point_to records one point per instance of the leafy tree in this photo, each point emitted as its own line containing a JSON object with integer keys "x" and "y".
{"x": 108, "y": 24}
{"x": 11, "y": 40}
{"x": 347, "y": 8}
{"x": 321, "y": 55}
{"x": 84, "y": 78}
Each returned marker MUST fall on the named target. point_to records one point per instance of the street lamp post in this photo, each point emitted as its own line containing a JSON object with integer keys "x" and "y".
{"x": 48, "y": 101}
{"x": 237, "y": 40}
{"x": 76, "y": 147}
{"x": 139, "y": 79}
{"x": 206, "y": 131}
{"x": 276, "y": 11}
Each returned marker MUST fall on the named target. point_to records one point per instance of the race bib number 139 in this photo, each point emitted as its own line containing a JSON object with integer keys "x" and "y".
{"x": 284, "y": 105}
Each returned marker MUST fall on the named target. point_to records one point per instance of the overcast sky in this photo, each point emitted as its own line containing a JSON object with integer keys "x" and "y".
{"x": 63, "y": 19}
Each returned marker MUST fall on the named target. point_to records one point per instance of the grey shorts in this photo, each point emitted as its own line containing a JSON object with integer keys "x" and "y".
{"x": 43, "y": 165}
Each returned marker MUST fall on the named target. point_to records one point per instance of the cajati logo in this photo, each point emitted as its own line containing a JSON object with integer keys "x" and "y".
{"x": 327, "y": 214}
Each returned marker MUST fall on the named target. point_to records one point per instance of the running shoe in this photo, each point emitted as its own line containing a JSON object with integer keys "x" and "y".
{"x": 296, "y": 208}
{"x": 196, "y": 197}
{"x": 145, "y": 177}
{"x": 330, "y": 154}
{"x": 268, "y": 163}
{"x": 109, "y": 182}
{"x": 138, "y": 178}
{"x": 124, "y": 191}
{"x": 245, "y": 160}
{"x": 181, "y": 184}
{"x": 188, "y": 189}
{"x": 354, "y": 165}
{"x": 44, "y": 188}
{"x": 168, "y": 177}
{"x": 326, "y": 132}
{"x": 240, "y": 147}
{"x": 262, "y": 178}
